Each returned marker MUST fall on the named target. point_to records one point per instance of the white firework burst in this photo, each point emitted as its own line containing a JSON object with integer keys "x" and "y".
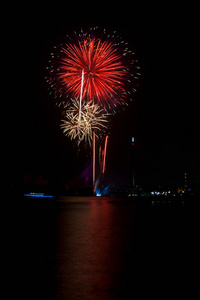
{"x": 81, "y": 128}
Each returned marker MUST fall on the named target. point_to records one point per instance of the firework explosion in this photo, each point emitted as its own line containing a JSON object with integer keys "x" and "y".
{"x": 92, "y": 119}
{"x": 106, "y": 69}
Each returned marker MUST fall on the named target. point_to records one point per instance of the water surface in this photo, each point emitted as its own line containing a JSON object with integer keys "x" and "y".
{"x": 103, "y": 248}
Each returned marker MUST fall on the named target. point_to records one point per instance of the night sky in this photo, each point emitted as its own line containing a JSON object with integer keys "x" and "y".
{"x": 163, "y": 116}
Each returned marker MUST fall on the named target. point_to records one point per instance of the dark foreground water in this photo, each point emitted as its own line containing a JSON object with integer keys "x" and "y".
{"x": 102, "y": 248}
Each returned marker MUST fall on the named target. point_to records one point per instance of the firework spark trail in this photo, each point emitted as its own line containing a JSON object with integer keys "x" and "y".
{"x": 93, "y": 165}
{"x": 80, "y": 104}
{"x": 92, "y": 120}
{"x": 107, "y": 65}
{"x": 104, "y": 154}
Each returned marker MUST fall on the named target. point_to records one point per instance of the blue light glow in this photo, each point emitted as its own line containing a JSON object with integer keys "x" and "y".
{"x": 38, "y": 195}
{"x": 98, "y": 192}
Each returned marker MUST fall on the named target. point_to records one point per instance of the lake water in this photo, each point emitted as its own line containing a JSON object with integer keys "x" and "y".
{"x": 102, "y": 248}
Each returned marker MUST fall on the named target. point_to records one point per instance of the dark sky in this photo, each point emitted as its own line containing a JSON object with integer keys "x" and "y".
{"x": 163, "y": 116}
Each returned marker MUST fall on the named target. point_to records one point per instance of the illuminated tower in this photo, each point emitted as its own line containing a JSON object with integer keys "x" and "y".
{"x": 133, "y": 160}
{"x": 185, "y": 182}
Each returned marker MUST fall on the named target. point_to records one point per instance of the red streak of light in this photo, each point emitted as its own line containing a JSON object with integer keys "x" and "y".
{"x": 104, "y": 156}
{"x": 94, "y": 163}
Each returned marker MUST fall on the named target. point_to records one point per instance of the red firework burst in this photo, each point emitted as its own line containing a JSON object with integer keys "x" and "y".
{"x": 105, "y": 70}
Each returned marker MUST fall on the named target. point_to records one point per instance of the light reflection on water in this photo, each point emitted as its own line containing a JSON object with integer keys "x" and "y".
{"x": 103, "y": 248}
{"x": 92, "y": 247}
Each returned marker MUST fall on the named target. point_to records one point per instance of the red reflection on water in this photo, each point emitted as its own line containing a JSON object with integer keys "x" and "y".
{"x": 92, "y": 244}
